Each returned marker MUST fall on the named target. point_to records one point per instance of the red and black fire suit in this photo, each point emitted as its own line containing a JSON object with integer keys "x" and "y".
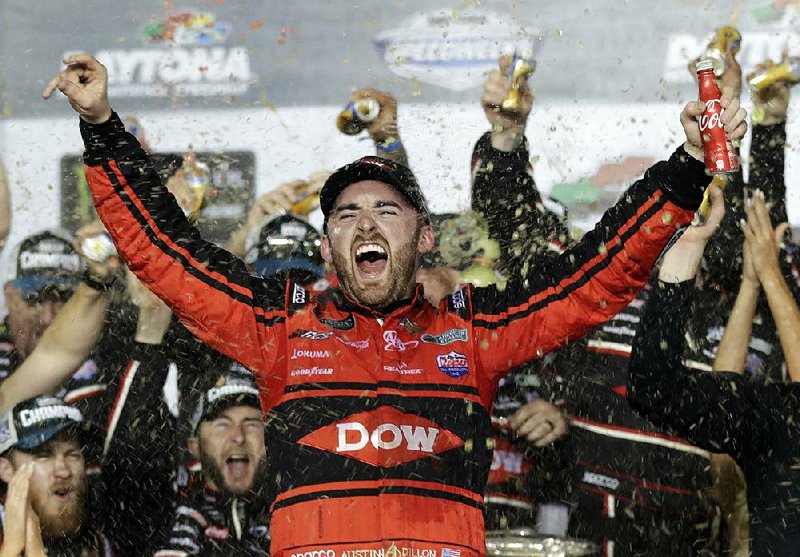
{"x": 377, "y": 423}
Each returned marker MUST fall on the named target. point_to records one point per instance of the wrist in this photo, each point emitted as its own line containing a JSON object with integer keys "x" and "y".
{"x": 101, "y": 118}
{"x": 694, "y": 151}
{"x": 97, "y": 283}
{"x": 389, "y": 144}
{"x": 154, "y": 320}
{"x": 770, "y": 277}
{"x": 681, "y": 262}
{"x": 750, "y": 284}
{"x": 508, "y": 140}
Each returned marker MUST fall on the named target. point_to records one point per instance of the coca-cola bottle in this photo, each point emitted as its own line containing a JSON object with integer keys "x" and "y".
{"x": 720, "y": 156}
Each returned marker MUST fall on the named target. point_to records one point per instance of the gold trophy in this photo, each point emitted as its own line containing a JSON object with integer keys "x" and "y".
{"x": 519, "y": 70}
{"x": 715, "y": 51}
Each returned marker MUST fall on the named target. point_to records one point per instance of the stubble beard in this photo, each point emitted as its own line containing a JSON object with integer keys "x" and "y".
{"x": 398, "y": 284}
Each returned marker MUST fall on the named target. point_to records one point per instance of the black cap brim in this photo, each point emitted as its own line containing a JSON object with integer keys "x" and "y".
{"x": 359, "y": 171}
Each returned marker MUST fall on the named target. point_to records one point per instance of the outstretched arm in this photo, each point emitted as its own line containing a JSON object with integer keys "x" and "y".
{"x": 732, "y": 350}
{"x": 210, "y": 290}
{"x": 593, "y": 280}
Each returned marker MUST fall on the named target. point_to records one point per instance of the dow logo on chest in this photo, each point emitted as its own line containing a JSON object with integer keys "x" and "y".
{"x": 383, "y": 437}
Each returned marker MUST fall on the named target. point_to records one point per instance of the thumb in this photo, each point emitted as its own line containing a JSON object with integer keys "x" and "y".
{"x": 780, "y": 232}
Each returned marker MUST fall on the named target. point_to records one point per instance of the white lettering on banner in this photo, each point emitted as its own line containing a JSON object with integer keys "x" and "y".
{"x": 148, "y": 72}
{"x": 600, "y": 480}
{"x": 316, "y": 553}
{"x": 510, "y": 461}
{"x": 30, "y": 417}
{"x": 310, "y": 354}
{"x": 386, "y": 436}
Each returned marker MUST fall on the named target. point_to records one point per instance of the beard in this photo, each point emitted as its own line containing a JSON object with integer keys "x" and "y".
{"x": 396, "y": 286}
{"x": 214, "y": 473}
{"x": 62, "y": 521}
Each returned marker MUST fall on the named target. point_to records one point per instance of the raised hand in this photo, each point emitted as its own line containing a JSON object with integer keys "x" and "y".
{"x": 762, "y": 240}
{"x": 733, "y": 119}
{"x": 771, "y": 103}
{"x": 508, "y": 126}
{"x": 384, "y": 127}
{"x": 102, "y": 270}
{"x": 16, "y": 512}
{"x": 85, "y": 84}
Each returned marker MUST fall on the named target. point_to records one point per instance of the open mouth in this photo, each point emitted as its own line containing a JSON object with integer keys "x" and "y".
{"x": 371, "y": 259}
{"x": 62, "y": 494}
{"x": 238, "y": 465}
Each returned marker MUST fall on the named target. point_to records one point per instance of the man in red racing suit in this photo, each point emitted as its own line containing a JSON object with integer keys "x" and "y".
{"x": 377, "y": 403}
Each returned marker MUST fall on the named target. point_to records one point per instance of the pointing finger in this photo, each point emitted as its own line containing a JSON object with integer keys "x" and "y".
{"x": 52, "y": 85}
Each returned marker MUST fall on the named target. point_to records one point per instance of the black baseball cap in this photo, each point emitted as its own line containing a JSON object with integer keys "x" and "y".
{"x": 46, "y": 259}
{"x": 383, "y": 170}
{"x": 287, "y": 245}
{"x": 233, "y": 388}
{"x": 33, "y": 422}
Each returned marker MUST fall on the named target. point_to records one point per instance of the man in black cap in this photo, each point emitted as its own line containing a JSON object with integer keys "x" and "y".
{"x": 46, "y": 270}
{"x": 54, "y": 436}
{"x": 226, "y": 513}
{"x": 378, "y": 403}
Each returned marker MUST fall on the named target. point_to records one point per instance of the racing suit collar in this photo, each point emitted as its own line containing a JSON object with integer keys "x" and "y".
{"x": 416, "y": 311}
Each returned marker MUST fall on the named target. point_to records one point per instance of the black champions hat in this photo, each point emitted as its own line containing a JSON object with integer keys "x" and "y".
{"x": 374, "y": 168}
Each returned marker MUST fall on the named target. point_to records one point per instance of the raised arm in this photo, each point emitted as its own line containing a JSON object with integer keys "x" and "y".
{"x": 208, "y": 289}
{"x": 764, "y": 244}
{"x": 710, "y": 410}
{"x": 594, "y": 279}
{"x": 733, "y": 348}
{"x": 503, "y": 187}
{"x": 68, "y": 340}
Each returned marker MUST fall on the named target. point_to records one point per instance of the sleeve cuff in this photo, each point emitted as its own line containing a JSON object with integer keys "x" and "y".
{"x": 687, "y": 180}
{"x": 484, "y": 150}
{"x": 768, "y": 135}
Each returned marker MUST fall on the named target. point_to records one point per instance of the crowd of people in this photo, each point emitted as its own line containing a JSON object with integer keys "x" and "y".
{"x": 355, "y": 392}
